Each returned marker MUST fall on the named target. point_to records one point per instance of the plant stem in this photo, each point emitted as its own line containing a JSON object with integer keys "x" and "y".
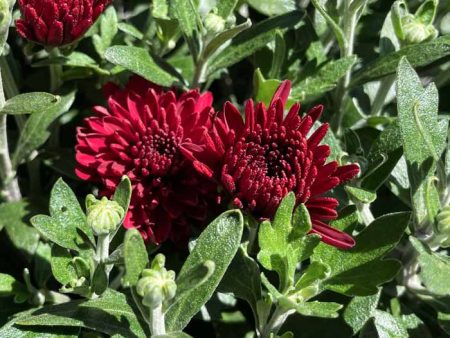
{"x": 278, "y": 318}
{"x": 157, "y": 325}
{"x": 199, "y": 74}
{"x": 349, "y": 21}
{"x": 10, "y": 186}
{"x": 380, "y": 97}
{"x": 102, "y": 247}
{"x": 55, "y": 297}
{"x": 11, "y": 90}
{"x": 55, "y": 72}
{"x": 365, "y": 213}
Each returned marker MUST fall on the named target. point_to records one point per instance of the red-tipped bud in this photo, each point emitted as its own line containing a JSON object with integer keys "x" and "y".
{"x": 57, "y": 22}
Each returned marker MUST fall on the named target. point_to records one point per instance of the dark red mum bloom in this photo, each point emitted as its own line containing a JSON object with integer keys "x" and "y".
{"x": 259, "y": 160}
{"x": 150, "y": 136}
{"x": 57, "y": 22}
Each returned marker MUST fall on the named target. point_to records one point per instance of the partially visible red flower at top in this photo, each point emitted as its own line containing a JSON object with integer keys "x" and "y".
{"x": 57, "y": 22}
{"x": 260, "y": 159}
{"x": 149, "y": 135}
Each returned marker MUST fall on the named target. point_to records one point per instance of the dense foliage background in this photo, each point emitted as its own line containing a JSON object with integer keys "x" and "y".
{"x": 380, "y": 68}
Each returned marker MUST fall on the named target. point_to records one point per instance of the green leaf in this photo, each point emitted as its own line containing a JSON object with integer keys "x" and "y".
{"x": 361, "y": 195}
{"x": 63, "y": 236}
{"x": 383, "y": 156}
{"x": 139, "y": 61}
{"x": 243, "y": 279}
{"x": 62, "y": 265}
{"x": 360, "y": 310}
{"x": 427, "y": 12}
{"x": 313, "y": 309}
{"x": 82, "y": 267}
{"x": 12, "y": 212}
{"x": 66, "y": 222}
{"x": 358, "y": 271}
{"x": 194, "y": 277}
{"x": 272, "y": 7}
{"x": 423, "y": 135}
{"x": 252, "y": 39}
{"x": 281, "y": 246}
{"x": 135, "y": 255}
{"x": 338, "y": 32}
{"x": 315, "y": 272}
{"x": 223, "y": 37}
{"x": 224, "y": 232}
{"x": 13, "y": 217}
{"x": 130, "y": 30}
{"x": 122, "y": 194}
{"x": 99, "y": 280}
{"x": 108, "y": 30}
{"x": 10, "y": 330}
{"x": 29, "y": 103}
{"x": 189, "y": 22}
{"x": 419, "y": 55}
{"x": 66, "y": 210}
{"x": 9, "y": 286}
{"x": 35, "y": 131}
{"x": 434, "y": 269}
{"x": 178, "y": 334}
{"x": 226, "y": 7}
{"x": 109, "y": 314}
{"x": 386, "y": 326}
{"x": 323, "y": 79}
{"x": 81, "y": 60}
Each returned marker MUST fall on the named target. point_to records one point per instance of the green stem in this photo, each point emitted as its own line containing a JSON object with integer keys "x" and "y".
{"x": 199, "y": 74}
{"x": 365, "y": 213}
{"x": 11, "y": 90}
{"x": 276, "y": 321}
{"x": 157, "y": 324}
{"x": 55, "y": 297}
{"x": 349, "y": 21}
{"x": 102, "y": 248}
{"x": 55, "y": 72}
{"x": 10, "y": 186}
{"x": 380, "y": 97}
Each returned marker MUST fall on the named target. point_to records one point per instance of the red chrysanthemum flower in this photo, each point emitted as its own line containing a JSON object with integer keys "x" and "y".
{"x": 57, "y": 23}
{"x": 259, "y": 160}
{"x": 150, "y": 136}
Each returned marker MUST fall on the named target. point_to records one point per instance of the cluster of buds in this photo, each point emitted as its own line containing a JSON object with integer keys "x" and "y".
{"x": 417, "y": 27}
{"x": 156, "y": 285}
{"x": 57, "y": 23}
{"x": 103, "y": 216}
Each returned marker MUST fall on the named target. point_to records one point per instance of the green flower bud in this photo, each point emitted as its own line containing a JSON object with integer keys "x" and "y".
{"x": 415, "y": 31}
{"x": 156, "y": 286}
{"x": 214, "y": 23}
{"x": 103, "y": 216}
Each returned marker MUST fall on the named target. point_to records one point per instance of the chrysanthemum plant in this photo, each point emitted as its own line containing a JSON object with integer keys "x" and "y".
{"x": 160, "y": 178}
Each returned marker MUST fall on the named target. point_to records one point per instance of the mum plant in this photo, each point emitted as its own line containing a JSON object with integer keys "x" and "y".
{"x": 190, "y": 168}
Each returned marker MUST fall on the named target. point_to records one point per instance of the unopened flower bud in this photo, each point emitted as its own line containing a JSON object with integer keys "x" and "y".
{"x": 416, "y": 31}
{"x": 156, "y": 286}
{"x": 214, "y": 23}
{"x": 57, "y": 23}
{"x": 103, "y": 216}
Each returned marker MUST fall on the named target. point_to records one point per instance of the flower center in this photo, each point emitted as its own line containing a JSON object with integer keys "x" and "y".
{"x": 156, "y": 153}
